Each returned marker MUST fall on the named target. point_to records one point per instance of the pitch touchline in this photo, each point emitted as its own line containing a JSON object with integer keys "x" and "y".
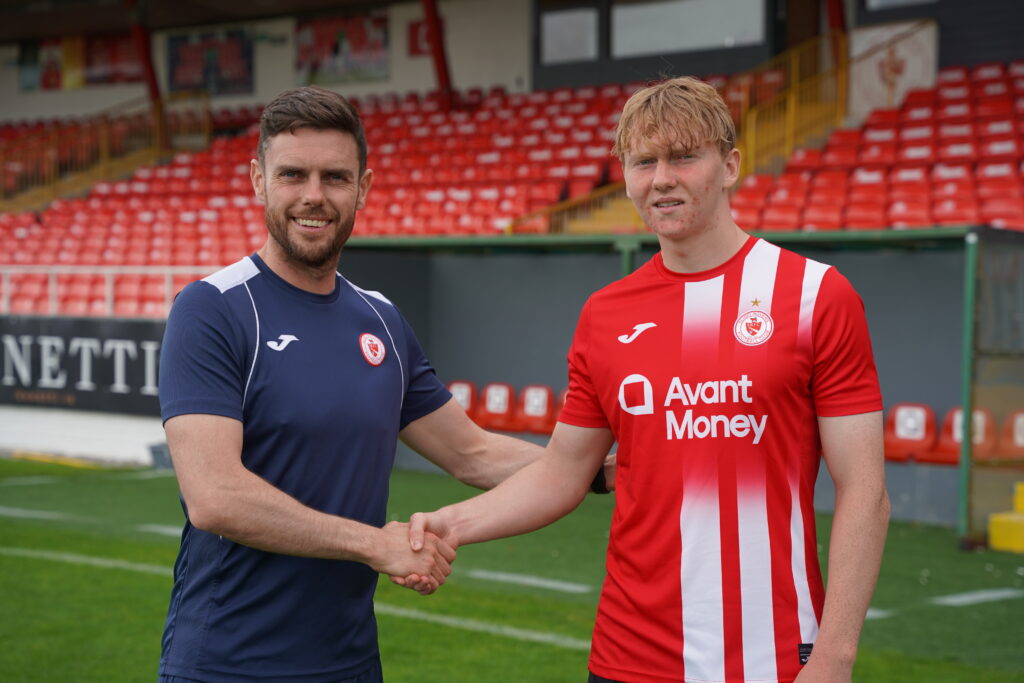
{"x": 381, "y": 608}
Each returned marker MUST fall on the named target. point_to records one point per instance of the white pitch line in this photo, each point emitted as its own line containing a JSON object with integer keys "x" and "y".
{"x": 144, "y": 474}
{"x": 26, "y": 481}
{"x": 390, "y": 610}
{"x": 527, "y": 580}
{"x": 31, "y": 514}
{"x": 162, "y": 529}
{"x": 875, "y": 613}
{"x": 975, "y": 597}
{"x": 103, "y": 562}
{"x": 485, "y": 627}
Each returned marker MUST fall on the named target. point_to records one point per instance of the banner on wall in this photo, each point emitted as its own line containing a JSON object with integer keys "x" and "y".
{"x": 107, "y": 365}
{"x": 342, "y": 49}
{"x": 418, "y": 40}
{"x": 881, "y": 76}
{"x": 219, "y": 62}
{"x": 77, "y": 61}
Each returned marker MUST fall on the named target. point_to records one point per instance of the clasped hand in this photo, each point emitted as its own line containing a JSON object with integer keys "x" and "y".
{"x": 423, "y": 565}
{"x": 426, "y": 533}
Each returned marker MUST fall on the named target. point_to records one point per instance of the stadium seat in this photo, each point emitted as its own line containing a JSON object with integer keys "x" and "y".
{"x": 464, "y": 393}
{"x": 781, "y": 217}
{"x": 821, "y": 217}
{"x": 909, "y": 214}
{"x": 804, "y": 160}
{"x": 496, "y": 407}
{"x": 947, "y": 450}
{"x": 865, "y": 216}
{"x": 535, "y": 409}
{"x": 956, "y": 211}
{"x": 1011, "y": 436}
{"x": 909, "y": 431}
{"x": 747, "y": 218}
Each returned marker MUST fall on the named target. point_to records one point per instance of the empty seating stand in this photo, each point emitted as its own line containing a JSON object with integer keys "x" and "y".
{"x": 949, "y": 155}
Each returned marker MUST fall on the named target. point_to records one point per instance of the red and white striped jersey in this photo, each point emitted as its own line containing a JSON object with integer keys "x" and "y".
{"x": 711, "y": 383}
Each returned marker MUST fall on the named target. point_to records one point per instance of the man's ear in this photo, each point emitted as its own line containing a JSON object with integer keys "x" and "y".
{"x": 258, "y": 181}
{"x": 732, "y": 168}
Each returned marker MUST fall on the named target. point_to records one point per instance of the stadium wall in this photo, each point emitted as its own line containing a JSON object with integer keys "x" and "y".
{"x": 486, "y": 41}
{"x": 969, "y": 32}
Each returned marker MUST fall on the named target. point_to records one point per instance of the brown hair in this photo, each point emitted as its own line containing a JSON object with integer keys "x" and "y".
{"x": 310, "y": 107}
{"x": 681, "y": 111}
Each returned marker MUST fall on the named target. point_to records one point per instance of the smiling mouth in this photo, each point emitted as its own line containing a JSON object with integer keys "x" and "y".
{"x": 312, "y": 222}
{"x": 668, "y": 204}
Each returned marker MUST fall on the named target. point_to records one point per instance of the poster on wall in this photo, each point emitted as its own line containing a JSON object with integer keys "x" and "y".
{"x": 110, "y": 60}
{"x": 888, "y": 60}
{"x": 76, "y": 62}
{"x": 342, "y": 49}
{"x": 219, "y": 62}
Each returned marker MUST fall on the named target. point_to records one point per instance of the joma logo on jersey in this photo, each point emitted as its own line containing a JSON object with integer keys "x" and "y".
{"x": 636, "y": 397}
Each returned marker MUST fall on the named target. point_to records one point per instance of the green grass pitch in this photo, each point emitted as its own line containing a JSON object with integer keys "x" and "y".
{"x": 67, "y": 621}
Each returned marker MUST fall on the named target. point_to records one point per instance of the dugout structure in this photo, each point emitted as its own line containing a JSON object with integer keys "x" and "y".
{"x": 992, "y": 449}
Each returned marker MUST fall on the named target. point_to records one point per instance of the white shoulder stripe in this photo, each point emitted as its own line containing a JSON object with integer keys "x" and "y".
{"x": 814, "y": 273}
{"x": 367, "y": 292}
{"x": 234, "y": 275}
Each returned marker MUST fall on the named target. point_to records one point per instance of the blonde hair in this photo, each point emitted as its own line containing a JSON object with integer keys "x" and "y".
{"x": 684, "y": 111}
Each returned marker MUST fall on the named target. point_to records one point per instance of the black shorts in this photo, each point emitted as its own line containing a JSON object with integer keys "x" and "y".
{"x": 594, "y": 678}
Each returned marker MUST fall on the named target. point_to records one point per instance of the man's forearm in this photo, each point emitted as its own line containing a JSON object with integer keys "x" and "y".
{"x": 855, "y": 555}
{"x": 250, "y": 511}
{"x": 533, "y": 497}
{"x": 498, "y": 459}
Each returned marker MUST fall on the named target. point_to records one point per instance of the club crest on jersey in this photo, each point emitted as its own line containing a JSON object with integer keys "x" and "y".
{"x": 753, "y": 327}
{"x": 373, "y": 349}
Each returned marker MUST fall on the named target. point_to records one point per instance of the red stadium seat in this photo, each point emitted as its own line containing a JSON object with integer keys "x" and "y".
{"x": 909, "y": 431}
{"x": 956, "y": 211}
{"x": 780, "y": 218}
{"x": 947, "y": 450}
{"x": 747, "y": 218}
{"x": 821, "y": 217}
{"x": 1011, "y": 437}
{"x": 535, "y": 410}
{"x": 749, "y": 198}
{"x": 464, "y": 393}
{"x": 915, "y": 155}
{"x": 880, "y": 155}
{"x": 804, "y": 160}
{"x": 865, "y": 216}
{"x": 954, "y": 112}
{"x": 953, "y": 74}
{"x": 496, "y": 407}
{"x": 909, "y": 214}
{"x": 1000, "y": 149}
{"x": 783, "y": 196}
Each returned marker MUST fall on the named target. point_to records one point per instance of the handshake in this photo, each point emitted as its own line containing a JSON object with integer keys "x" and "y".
{"x": 417, "y": 554}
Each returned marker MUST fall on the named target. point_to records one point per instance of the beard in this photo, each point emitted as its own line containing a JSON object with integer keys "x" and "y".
{"x": 317, "y": 255}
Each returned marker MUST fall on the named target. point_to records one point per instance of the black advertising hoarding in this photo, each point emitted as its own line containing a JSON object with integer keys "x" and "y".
{"x": 103, "y": 364}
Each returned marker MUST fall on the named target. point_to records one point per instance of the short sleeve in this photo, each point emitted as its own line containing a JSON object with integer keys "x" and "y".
{"x": 582, "y": 405}
{"x": 202, "y": 359}
{"x": 845, "y": 381}
{"x": 425, "y": 393}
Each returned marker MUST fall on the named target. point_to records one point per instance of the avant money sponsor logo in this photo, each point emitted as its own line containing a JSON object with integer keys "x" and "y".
{"x": 636, "y": 397}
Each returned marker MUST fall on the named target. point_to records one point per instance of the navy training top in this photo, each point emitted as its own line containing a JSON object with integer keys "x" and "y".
{"x": 322, "y": 384}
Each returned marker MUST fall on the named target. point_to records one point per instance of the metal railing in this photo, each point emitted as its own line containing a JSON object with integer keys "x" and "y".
{"x": 555, "y": 218}
{"x": 806, "y": 112}
{"x": 766, "y": 81}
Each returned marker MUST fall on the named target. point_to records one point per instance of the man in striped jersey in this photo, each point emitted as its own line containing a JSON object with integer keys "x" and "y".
{"x": 723, "y": 368}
